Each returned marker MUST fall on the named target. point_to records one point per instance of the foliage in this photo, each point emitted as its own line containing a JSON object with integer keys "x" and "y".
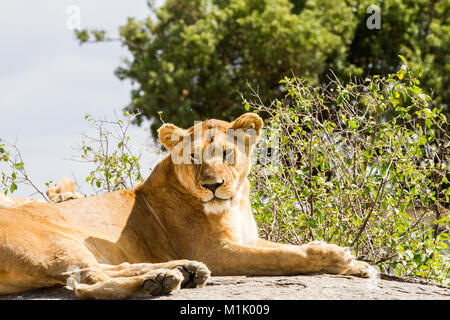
{"x": 12, "y": 169}
{"x": 116, "y": 165}
{"x": 364, "y": 165}
{"x": 192, "y": 58}
{"x": 417, "y": 29}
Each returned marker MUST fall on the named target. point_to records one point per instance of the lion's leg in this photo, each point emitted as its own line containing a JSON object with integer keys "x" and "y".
{"x": 154, "y": 282}
{"x": 77, "y": 268}
{"x": 194, "y": 273}
{"x": 268, "y": 244}
{"x": 322, "y": 249}
{"x": 25, "y": 267}
{"x": 235, "y": 259}
{"x": 99, "y": 281}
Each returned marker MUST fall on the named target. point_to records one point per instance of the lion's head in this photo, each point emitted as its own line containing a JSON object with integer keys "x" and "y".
{"x": 212, "y": 158}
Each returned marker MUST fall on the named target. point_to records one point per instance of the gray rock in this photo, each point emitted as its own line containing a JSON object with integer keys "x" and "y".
{"x": 305, "y": 287}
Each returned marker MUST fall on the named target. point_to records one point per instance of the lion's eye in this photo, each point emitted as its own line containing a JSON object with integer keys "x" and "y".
{"x": 228, "y": 156}
{"x": 195, "y": 158}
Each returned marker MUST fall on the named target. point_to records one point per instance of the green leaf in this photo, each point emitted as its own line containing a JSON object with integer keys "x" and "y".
{"x": 13, "y": 187}
{"x": 352, "y": 124}
{"x": 19, "y": 165}
{"x": 298, "y": 181}
{"x": 417, "y": 259}
{"x": 417, "y": 90}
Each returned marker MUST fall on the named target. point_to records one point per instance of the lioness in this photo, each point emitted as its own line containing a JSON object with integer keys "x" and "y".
{"x": 9, "y": 202}
{"x": 134, "y": 243}
{"x": 64, "y": 190}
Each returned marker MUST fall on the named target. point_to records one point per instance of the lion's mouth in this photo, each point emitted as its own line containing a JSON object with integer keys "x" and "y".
{"x": 216, "y": 205}
{"x": 218, "y": 199}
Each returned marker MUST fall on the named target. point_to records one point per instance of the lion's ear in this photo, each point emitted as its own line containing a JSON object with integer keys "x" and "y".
{"x": 170, "y": 135}
{"x": 251, "y": 124}
{"x": 247, "y": 121}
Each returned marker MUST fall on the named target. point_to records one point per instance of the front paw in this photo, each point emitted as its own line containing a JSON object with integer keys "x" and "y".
{"x": 160, "y": 282}
{"x": 195, "y": 274}
{"x": 334, "y": 259}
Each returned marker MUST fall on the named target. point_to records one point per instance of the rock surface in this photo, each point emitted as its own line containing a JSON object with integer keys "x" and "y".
{"x": 306, "y": 287}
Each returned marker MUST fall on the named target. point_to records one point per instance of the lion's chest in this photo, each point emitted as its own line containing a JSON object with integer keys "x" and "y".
{"x": 242, "y": 227}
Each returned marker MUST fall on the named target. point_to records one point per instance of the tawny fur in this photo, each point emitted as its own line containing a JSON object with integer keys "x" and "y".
{"x": 64, "y": 190}
{"x": 148, "y": 240}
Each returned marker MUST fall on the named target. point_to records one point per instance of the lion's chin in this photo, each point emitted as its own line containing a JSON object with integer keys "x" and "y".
{"x": 216, "y": 206}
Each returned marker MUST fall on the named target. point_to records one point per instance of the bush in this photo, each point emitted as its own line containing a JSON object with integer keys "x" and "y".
{"x": 365, "y": 165}
{"x": 13, "y": 170}
{"x": 109, "y": 151}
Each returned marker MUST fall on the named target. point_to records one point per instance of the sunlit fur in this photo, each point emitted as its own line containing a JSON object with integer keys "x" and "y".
{"x": 216, "y": 206}
{"x": 208, "y": 142}
{"x": 64, "y": 190}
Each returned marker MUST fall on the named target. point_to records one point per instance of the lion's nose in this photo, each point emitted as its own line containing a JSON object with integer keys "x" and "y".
{"x": 212, "y": 186}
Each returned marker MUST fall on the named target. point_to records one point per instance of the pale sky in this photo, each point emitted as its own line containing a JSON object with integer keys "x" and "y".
{"x": 48, "y": 82}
